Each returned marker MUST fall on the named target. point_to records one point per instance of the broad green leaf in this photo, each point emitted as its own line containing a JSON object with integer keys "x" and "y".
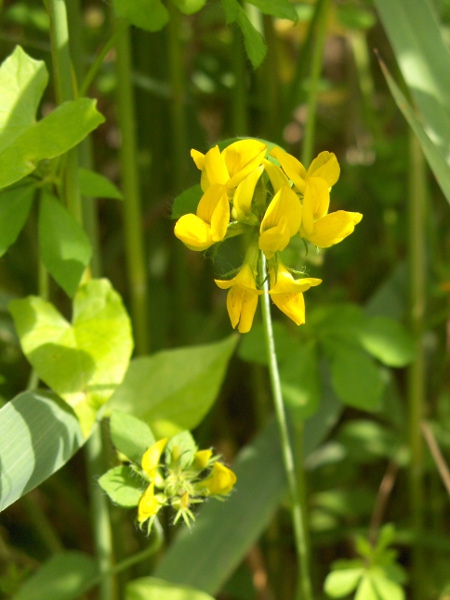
{"x": 231, "y": 8}
{"x": 388, "y": 341}
{"x": 282, "y": 9}
{"x": 54, "y": 135}
{"x": 131, "y": 436}
{"x": 38, "y": 434}
{"x": 221, "y": 531}
{"x": 66, "y": 576}
{"x": 174, "y": 389}
{"x": 357, "y": 380}
{"x": 300, "y": 381}
{"x": 123, "y": 486}
{"x": 97, "y": 186}
{"x": 64, "y": 246}
{"x": 189, "y": 7}
{"x": 386, "y": 588}
{"x": 151, "y": 588}
{"x": 254, "y": 44}
{"x": 366, "y": 590}
{"x": 187, "y": 202}
{"x": 82, "y": 362}
{"x": 150, "y": 15}
{"x": 252, "y": 347}
{"x": 22, "y": 83}
{"x": 15, "y": 204}
{"x": 367, "y": 441}
{"x": 342, "y": 582}
{"x": 181, "y": 447}
{"x": 339, "y": 320}
{"x": 436, "y": 157}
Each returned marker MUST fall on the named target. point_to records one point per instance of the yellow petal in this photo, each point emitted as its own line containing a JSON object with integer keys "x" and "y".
{"x": 241, "y": 158}
{"x": 150, "y": 460}
{"x": 333, "y": 228}
{"x": 292, "y": 167}
{"x": 325, "y": 165}
{"x": 315, "y": 203}
{"x": 221, "y": 481}
{"x": 215, "y": 167}
{"x": 193, "y": 232}
{"x": 242, "y": 298}
{"x": 286, "y": 204}
{"x": 275, "y": 239}
{"x": 198, "y": 158}
{"x": 277, "y": 178}
{"x": 292, "y": 305}
{"x": 287, "y": 293}
{"x": 201, "y": 458}
{"x": 243, "y": 196}
{"x": 148, "y": 504}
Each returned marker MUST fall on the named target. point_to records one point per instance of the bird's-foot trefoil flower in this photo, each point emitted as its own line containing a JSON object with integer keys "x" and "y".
{"x": 281, "y": 222}
{"x": 242, "y": 298}
{"x": 287, "y": 292}
{"x": 325, "y": 165}
{"x": 320, "y": 228}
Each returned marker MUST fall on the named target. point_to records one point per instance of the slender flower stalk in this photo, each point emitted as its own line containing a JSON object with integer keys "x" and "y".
{"x": 304, "y": 587}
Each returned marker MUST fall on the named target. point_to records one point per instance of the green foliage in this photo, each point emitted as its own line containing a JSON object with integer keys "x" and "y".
{"x": 15, "y": 204}
{"x": 174, "y": 389}
{"x": 375, "y": 576}
{"x": 65, "y": 576}
{"x": 38, "y": 434}
{"x": 151, "y": 588}
{"x": 150, "y": 15}
{"x": 85, "y": 361}
{"x": 123, "y": 486}
{"x": 254, "y": 44}
{"x": 189, "y": 7}
{"x": 25, "y": 142}
{"x": 129, "y": 435}
{"x": 64, "y": 245}
{"x": 181, "y": 448}
{"x": 97, "y": 186}
{"x": 186, "y": 202}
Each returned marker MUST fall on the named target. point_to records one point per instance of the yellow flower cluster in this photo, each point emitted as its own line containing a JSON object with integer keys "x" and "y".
{"x": 185, "y": 478}
{"x": 287, "y": 201}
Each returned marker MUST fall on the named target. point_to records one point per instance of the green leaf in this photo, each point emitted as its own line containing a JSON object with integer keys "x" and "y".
{"x": 22, "y": 83}
{"x": 282, "y": 9}
{"x": 150, "y": 15}
{"x": 357, "y": 380}
{"x": 123, "y": 485}
{"x": 60, "y": 131}
{"x": 64, "y": 246}
{"x": 300, "y": 381}
{"x": 366, "y": 590}
{"x": 386, "y": 588}
{"x": 254, "y": 44}
{"x": 366, "y": 441}
{"x": 38, "y": 434}
{"x": 15, "y": 204}
{"x": 131, "y": 436}
{"x": 388, "y": 341}
{"x": 435, "y": 156}
{"x": 189, "y": 7}
{"x": 97, "y": 186}
{"x": 222, "y": 532}
{"x": 252, "y": 347}
{"x": 66, "y": 576}
{"x": 85, "y": 361}
{"x": 151, "y": 588}
{"x": 182, "y": 448}
{"x": 187, "y": 202}
{"x": 342, "y": 582}
{"x": 174, "y": 389}
{"x": 341, "y": 320}
{"x": 231, "y": 8}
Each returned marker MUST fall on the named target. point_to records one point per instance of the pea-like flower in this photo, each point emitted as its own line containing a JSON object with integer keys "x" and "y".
{"x": 319, "y": 227}
{"x": 149, "y": 504}
{"x": 242, "y": 298}
{"x": 281, "y": 221}
{"x": 220, "y": 482}
{"x": 287, "y": 292}
{"x": 150, "y": 459}
{"x": 325, "y": 165}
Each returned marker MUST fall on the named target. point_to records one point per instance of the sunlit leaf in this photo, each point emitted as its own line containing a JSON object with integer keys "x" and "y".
{"x": 388, "y": 341}
{"x": 150, "y": 15}
{"x": 151, "y": 588}
{"x": 123, "y": 486}
{"x": 131, "y": 436}
{"x": 85, "y": 361}
{"x": 282, "y": 9}
{"x": 342, "y": 582}
{"x": 15, "y": 204}
{"x": 189, "y": 7}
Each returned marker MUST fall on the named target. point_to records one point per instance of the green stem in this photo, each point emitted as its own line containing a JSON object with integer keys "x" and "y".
{"x": 314, "y": 79}
{"x": 134, "y": 243}
{"x": 304, "y": 588}
{"x": 416, "y": 375}
{"x": 101, "y": 525}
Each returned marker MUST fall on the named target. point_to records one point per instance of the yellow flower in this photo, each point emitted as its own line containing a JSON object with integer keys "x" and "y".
{"x": 150, "y": 460}
{"x": 220, "y": 482}
{"x": 149, "y": 504}
{"x": 201, "y": 458}
{"x": 209, "y": 225}
{"x": 325, "y": 165}
{"x": 243, "y": 197}
{"x": 242, "y": 298}
{"x": 287, "y": 292}
{"x": 317, "y": 226}
{"x": 281, "y": 221}
{"x": 231, "y": 166}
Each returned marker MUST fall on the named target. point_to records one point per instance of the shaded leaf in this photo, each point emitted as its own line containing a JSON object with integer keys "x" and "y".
{"x": 131, "y": 436}
{"x": 300, "y": 381}
{"x": 64, "y": 246}
{"x": 187, "y": 202}
{"x": 388, "y": 341}
{"x": 15, "y": 204}
{"x": 150, "y": 15}
{"x": 123, "y": 486}
{"x": 97, "y": 186}
{"x": 282, "y": 9}
{"x": 39, "y": 433}
{"x": 189, "y": 7}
